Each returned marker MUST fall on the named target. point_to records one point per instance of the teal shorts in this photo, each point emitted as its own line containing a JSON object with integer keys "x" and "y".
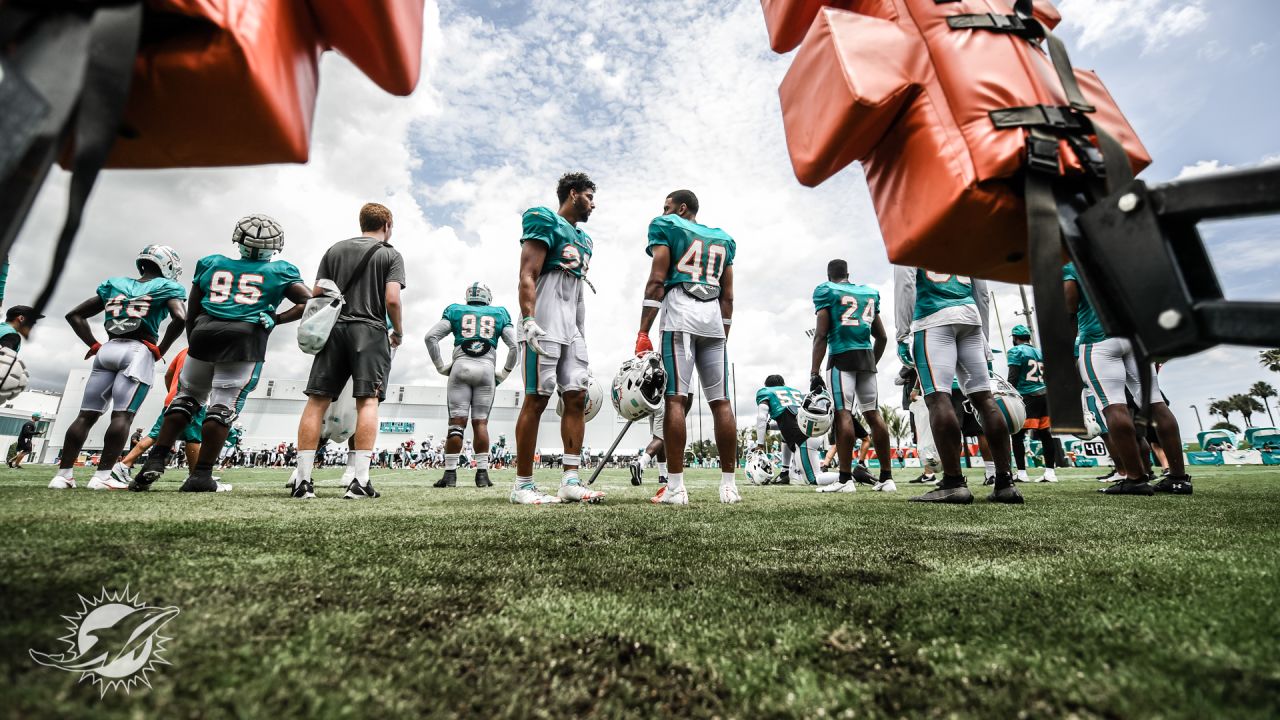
{"x": 191, "y": 434}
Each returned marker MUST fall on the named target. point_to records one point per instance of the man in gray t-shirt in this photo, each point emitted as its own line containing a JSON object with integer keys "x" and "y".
{"x": 359, "y": 347}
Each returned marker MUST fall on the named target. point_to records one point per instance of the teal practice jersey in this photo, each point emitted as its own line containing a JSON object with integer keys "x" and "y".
{"x": 780, "y": 399}
{"x": 7, "y": 329}
{"x": 568, "y": 247}
{"x": 238, "y": 289}
{"x": 1088, "y": 325}
{"x": 132, "y": 303}
{"x": 477, "y": 323}
{"x": 937, "y": 291}
{"x": 699, "y": 254}
{"x": 853, "y": 310}
{"x": 1028, "y": 367}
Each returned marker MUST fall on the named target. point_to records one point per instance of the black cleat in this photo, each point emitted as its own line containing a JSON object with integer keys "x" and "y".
{"x": 1108, "y": 477}
{"x": 303, "y": 490}
{"x": 951, "y": 491}
{"x": 782, "y": 479}
{"x": 922, "y": 480}
{"x": 203, "y": 482}
{"x": 1171, "y": 485}
{"x": 662, "y": 479}
{"x": 356, "y": 491}
{"x": 482, "y": 478}
{"x": 150, "y": 473}
{"x": 862, "y": 476}
{"x": 449, "y": 480}
{"x": 636, "y": 472}
{"x": 1129, "y": 487}
{"x": 991, "y": 480}
{"x": 1006, "y": 492}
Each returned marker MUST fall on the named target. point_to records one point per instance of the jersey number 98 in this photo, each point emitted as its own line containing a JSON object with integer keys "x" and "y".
{"x": 473, "y": 326}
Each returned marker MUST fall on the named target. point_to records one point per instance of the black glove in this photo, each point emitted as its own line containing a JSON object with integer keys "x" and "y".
{"x": 816, "y": 384}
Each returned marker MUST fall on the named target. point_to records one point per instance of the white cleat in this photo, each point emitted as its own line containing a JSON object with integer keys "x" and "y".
{"x": 728, "y": 494}
{"x": 532, "y": 496}
{"x": 107, "y": 483}
{"x": 576, "y": 492}
{"x": 885, "y": 486}
{"x": 120, "y": 473}
{"x": 62, "y": 483}
{"x": 667, "y": 496}
{"x": 222, "y": 487}
{"x": 840, "y": 487}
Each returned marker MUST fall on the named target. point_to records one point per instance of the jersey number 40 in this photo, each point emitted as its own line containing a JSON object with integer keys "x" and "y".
{"x": 705, "y": 267}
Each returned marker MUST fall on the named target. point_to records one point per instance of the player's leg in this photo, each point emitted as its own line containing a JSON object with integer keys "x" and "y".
{"x": 677, "y": 361}
{"x": 1177, "y": 482}
{"x": 1102, "y": 367}
{"x": 712, "y": 361}
{"x": 934, "y": 350}
{"x": 539, "y": 370}
{"x": 94, "y": 402}
{"x": 844, "y": 396}
{"x": 481, "y": 404}
{"x": 232, "y": 382}
{"x": 1019, "y": 440}
{"x": 194, "y": 385}
{"x": 458, "y": 393}
{"x": 573, "y": 375}
{"x": 975, "y": 380}
{"x": 869, "y": 405}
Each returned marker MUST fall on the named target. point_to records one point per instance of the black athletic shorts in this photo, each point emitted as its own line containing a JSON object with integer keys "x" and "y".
{"x": 1037, "y": 405}
{"x": 355, "y": 351}
{"x": 214, "y": 340}
{"x": 969, "y": 425}
{"x": 792, "y": 435}
{"x": 859, "y": 431}
{"x": 854, "y": 361}
{"x": 24, "y": 445}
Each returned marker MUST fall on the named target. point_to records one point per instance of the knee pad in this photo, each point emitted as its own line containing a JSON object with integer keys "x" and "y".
{"x": 456, "y": 431}
{"x": 184, "y": 405}
{"x": 221, "y": 414}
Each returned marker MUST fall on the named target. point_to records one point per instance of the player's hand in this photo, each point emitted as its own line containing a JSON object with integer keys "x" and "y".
{"x": 444, "y": 368}
{"x": 395, "y": 338}
{"x": 532, "y": 333}
{"x": 643, "y": 344}
{"x": 816, "y": 383}
{"x": 267, "y": 320}
{"x": 93, "y": 350}
{"x": 904, "y": 354}
{"x": 501, "y": 375}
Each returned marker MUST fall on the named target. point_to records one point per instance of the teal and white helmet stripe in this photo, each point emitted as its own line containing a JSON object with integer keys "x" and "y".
{"x": 164, "y": 257}
{"x": 478, "y": 294}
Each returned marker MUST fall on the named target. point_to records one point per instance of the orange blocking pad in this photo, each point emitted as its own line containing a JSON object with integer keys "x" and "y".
{"x": 381, "y": 37}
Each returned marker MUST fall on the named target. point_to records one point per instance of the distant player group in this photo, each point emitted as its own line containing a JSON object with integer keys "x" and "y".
{"x": 232, "y": 307}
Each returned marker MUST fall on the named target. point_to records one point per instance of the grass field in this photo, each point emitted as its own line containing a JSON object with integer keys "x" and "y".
{"x": 792, "y": 604}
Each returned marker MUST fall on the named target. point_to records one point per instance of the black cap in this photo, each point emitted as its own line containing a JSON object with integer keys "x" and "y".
{"x": 23, "y": 310}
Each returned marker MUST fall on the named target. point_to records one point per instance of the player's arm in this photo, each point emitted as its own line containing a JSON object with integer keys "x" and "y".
{"x": 177, "y": 323}
{"x": 1071, "y": 289}
{"x": 726, "y": 299}
{"x": 392, "y": 298}
{"x": 880, "y": 338}
{"x": 982, "y": 298}
{"x": 513, "y": 350}
{"x": 433, "y": 338}
{"x": 195, "y": 308}
{"x": 533, "y": 253}
{"x": 297, "y": 293}
{"x": 904, "y": 305}
{"x": 822, "y": 326}
{"x": 654, "y": 289}
{"x": 762, "y": 422}
{"x": 79, "y": 316}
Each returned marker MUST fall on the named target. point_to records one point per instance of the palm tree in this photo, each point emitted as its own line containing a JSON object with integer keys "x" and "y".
{"x": 1221, "y": 408}
{"x": 1246, "y": 405}
{"x": 1263, "y": 390}
{"x": 898, "y": 424}
{"x": 1270, "y": 359}
{"x": 1226, "y": 426}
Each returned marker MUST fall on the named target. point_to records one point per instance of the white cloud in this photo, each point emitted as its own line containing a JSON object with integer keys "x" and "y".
{"x": 1258, "y": 49}
{"x": 1154, "y": 23}
{"x": 1210, "y": 167}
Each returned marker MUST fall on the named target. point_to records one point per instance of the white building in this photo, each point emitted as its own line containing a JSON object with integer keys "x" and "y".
{"x": 15, "y": 413}
{"x": 410, "y": 412}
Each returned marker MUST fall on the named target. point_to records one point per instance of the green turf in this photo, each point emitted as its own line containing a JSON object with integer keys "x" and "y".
{"x": 792, "y": 604}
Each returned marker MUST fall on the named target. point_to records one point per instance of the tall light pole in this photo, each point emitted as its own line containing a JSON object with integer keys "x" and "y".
{"x": 1193, "y": 407}
{"x": 1025, "y": 312}
{"x": 999, "y": 328}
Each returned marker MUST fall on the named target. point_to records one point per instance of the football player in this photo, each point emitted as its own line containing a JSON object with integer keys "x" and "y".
{"x": 849, "y": 325}
{"x": 1109, "y": 367}
{"x": 233, "y": 310}
{"x": 124, "y": 367}
{"x": 1026, "y": 374}
{"x": 554, "y": 256}
{"x": 190, "y": 434}
{"x": 779, "y": 403}
{"x": 691, "y": 281}
{"x": 472, "y": 371}
{"x": 945, "y": 317}
{"x": 655, "y": 450}
{"x": 18, "y": 321}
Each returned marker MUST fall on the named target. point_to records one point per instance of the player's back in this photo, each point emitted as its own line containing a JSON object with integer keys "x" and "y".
{"x": 135, "y": 308}
{"x": 853, "y": 310}
{"x": 937, "y": 291}
{"x": 1089, "y": 327}
{"x": 242, "y": 290}
{"x": 780, "y": 399}
{"x": 476, "y": 328}
{"x": 699, "y": 254}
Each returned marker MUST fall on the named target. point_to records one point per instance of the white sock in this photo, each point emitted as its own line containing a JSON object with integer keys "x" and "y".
{"x": 351, "y": 457}
{"x": 360, "y": 461}
{"x": 675, "y": 482}
{"x": 645, "y": 459}
{"x": 726, "y": 479}
{"x": 1022, "y": 474}
{"x": 101, "y": 474}
{"x": 662, "y": 469}
{"x": 450, "y": 461}
{"x": 524, "y": 482}
{"x": 1051, "y": 473}
{"x": 990, "y": 469}
{"x": 306, "y": 459}
{"x": 66, "y": 473}
{"x": 482, "y": 461}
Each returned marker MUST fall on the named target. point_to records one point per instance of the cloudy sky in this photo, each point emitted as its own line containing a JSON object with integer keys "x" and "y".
{"x": 647, "y": 98}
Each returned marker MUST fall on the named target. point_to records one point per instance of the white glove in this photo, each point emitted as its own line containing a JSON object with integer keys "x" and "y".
{"x": 531, "y": 332}
{"x": 444, "y": 369}
{"x": 501, "y": 375}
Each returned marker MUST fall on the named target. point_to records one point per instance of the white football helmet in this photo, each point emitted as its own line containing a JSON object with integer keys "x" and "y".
{"x": 479, "y": 294}
{"x": 164, "y": 257}
{"x": 759, "y": 467}
{"x": 595, "y": 400}
{"x": 13, "y": 375}
{"x": 1092, "y": 427}
{"x": 259, "y": 236}
{"x": 1009, "y": 400}
{"x": 638, "y": 386}
{"x": 816, "y": 414}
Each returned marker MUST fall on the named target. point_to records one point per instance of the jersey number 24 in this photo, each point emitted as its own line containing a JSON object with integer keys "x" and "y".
{"x": 850, "y": 317}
